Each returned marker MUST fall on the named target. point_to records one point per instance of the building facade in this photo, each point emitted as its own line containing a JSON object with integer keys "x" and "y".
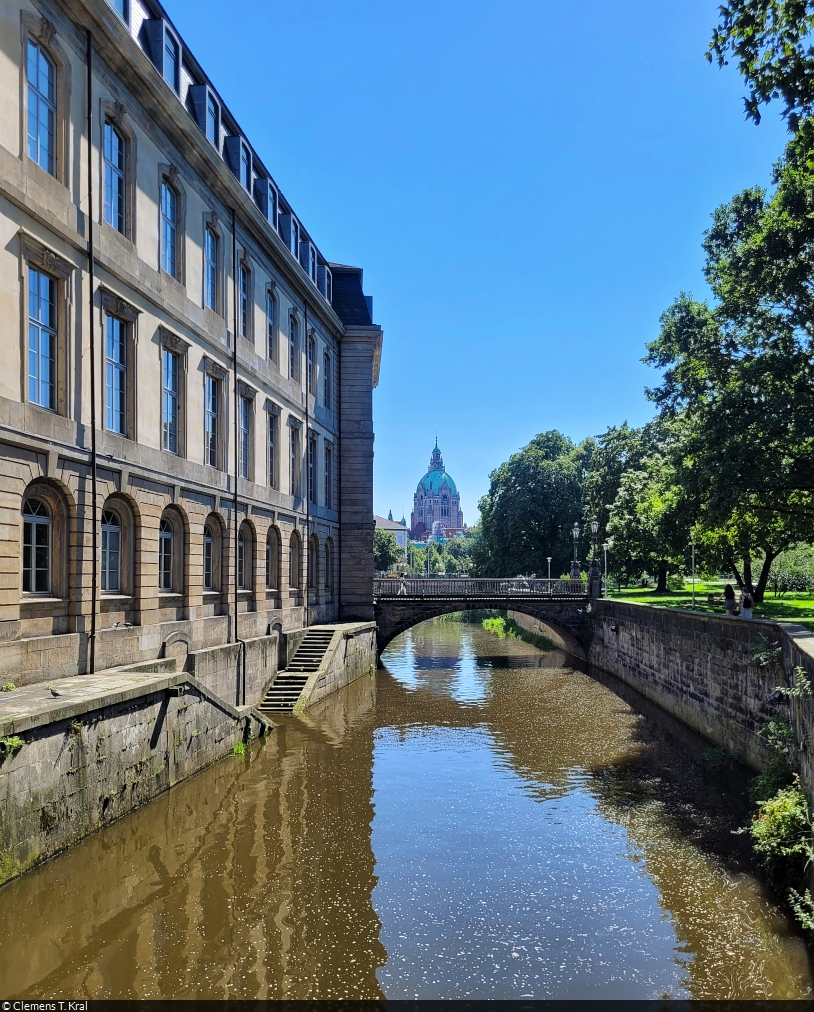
{"x": 398, "y": 529}
{"x": 186, "y": 442}
{"x": 436, "y": 503}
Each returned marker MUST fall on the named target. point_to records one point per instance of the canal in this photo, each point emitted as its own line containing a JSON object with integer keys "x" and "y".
{"x": 483, "y": 820}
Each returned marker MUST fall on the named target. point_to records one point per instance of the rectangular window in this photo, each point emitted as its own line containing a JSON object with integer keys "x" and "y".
{"x": 114, "y": 154}
{"x": 243, "y": 302}
{"x": 295, "y": 462}
{"x": 42, "y": 107}
{"x": 327, "y": 382}
{"x": 169, "y": 229}
{"x": 312, "y": 469}
{"x": 272, "y": 450}
{"x": 212, "y": 119}
{"x": 212, "y": 413}
{"x": 312, "y": 365}
{"x": 171, "y": 61}
{"x": 210, "y": 269}
{"x": 245, "y": 415}
{"x": 245, "y": 167}
{"x": 170, "y": 399}
{"x": 294, "y": 351}
{"x": 329, "y": 477}
{"x": 115, "y": 375}
{"x": 42, "y": 340}
{"x": 271, "y": 326}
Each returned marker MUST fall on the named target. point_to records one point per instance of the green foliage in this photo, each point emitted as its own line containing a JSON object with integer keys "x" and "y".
{"x": 10, "y": 743}
{"x": 778, "y": 771}
{"x": 792, "y": 570}
{"x": 386, "y": 551}
{"x": 803, "y": 907}
{"x": 8, "y": 687}
{"x": 506, "y": 627}
{"x": 239, "y": 749}
{"x": 474, "y": 616}
{"x": 781, "y": 836}
{"x": 768, "y": 653}
{"x": 771, "y": 41}
{"x": 800, "y": 687}
{"x": 533, "y": 501}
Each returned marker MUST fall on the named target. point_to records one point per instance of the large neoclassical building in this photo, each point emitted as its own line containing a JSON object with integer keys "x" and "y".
{"x": 186, "y": 440}
{"x": 436, "y": 502}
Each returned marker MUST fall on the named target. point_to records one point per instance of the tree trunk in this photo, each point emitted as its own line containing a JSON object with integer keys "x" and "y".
{"x": 760, "y": 589}
{"x": 747, "y": 572}
{"x": 661, "y": 578}
{"x": 731, "y": 563}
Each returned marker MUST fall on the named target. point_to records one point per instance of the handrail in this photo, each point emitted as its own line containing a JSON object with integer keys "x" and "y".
{"x": 463, "y": 587}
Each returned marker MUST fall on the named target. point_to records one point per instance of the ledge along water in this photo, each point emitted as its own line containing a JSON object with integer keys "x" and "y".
{"x": 481, "y": 820}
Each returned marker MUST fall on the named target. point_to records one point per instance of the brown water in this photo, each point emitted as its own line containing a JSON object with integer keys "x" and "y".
{"x": 481, "y": 821}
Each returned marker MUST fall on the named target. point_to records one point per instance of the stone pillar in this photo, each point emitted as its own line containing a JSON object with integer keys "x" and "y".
{"x": 359, "y": 373}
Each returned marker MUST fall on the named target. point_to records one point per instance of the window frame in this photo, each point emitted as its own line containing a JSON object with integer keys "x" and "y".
{"x": 113, "y": 172}
{"x": 295, "y": 562}
{"x": 214, "y": 525}
{"x": 245, "y": 284}
{"x": 168, "y": 177}
{"x": 295, "y": 462}
{"x": 245, "y": 412}
{"x": 43, "y": 33}
{"x": 328, "y": 475}
{"x": 170, "y": 343}
{"x": 34, "y": 255}
{"x": 272, "y": 324}
{"x": 50, "y": 330}
{"x": 311, "y": 364}
{"x": 211, "y": 271}
{"x": 112, "y": 305}
{"x": 107, "y": 529}
{"x": 327, "y": 381}
{"x": 272, "y": 444}
{"x": 171, "y": 523}
{"x": 274, "y": 544}
{"x": 313, "y": 467}
{"x": 44, "y": 521}
{"x": 294, "y": 353}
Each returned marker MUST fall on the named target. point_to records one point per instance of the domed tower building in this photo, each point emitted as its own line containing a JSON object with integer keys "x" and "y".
{"x": 436, "y": 500}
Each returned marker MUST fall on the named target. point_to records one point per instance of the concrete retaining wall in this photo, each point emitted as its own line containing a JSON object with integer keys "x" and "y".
{"x": 350, "y": 655}
{"x": 77, "y": 772}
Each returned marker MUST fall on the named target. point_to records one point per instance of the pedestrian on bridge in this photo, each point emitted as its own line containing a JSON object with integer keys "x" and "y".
{"x": 729, "y": 600}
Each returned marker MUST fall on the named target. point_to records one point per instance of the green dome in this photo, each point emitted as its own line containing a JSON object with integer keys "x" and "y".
{"x": 433, "y": 480}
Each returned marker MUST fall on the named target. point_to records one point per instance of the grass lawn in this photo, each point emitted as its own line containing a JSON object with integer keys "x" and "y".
{"x": 794, "y": 607}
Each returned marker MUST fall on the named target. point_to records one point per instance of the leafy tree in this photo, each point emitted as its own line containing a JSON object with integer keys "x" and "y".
{"x": 386, "y": 550}
{"x": 793, "y": 571}
{"x": 534, "y": 499}
{"x": 618, "y": 450}
{"x": 771, "y": 40}
{"x": 649, "y": 520}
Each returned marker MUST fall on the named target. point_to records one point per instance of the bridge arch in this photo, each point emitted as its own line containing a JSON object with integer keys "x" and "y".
{"x": 567, "y": 622}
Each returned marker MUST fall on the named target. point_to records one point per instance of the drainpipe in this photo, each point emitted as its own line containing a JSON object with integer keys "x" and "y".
{"x": 307, "y": 473}
{"x": 237, "y": 639}
{"x": 94, "y": 526}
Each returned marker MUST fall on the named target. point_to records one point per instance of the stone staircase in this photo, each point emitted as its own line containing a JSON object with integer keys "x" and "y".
{"x": 285, "y": 690}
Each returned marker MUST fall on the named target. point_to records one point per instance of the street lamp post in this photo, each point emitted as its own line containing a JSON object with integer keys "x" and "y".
{"x": 605, "y": 550}
{"x": 548, "y": 559}
{"x": 594, "y": 573}
{"x": 575, "y": 566}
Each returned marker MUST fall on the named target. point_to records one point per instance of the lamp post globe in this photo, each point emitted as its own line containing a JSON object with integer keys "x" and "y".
{"x": 575, "y": 566}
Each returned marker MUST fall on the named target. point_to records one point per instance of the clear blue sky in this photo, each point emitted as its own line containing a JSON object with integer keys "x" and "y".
{"x": 525, "y": 184}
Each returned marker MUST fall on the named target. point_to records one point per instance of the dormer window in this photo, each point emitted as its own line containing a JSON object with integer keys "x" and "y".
{"x": 212, "y": 118}
{"x": 245, "y": 166}
{"x": 171, "y": 61}
{"x": 121, "y": 7}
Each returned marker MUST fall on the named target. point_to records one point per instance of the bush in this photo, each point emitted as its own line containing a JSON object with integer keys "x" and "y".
{"x": 781, "y": 833}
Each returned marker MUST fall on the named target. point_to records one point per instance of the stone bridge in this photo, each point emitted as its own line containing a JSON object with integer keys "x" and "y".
{"x": 563, "y": 606}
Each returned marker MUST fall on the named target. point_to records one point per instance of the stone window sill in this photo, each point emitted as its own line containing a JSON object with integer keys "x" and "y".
{"x": 169, "y": 595}
{"x": 115, "y": 597}
{"x": 36, "y": 599}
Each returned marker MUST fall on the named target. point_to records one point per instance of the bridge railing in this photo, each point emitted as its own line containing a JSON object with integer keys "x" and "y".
{"x": 463, "y": 587}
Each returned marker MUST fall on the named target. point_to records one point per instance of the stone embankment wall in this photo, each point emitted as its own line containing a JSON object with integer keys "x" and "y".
{"x": 98, "y": 746}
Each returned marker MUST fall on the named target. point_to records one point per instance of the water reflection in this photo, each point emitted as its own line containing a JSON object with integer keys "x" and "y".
{"x": 481, "y": 821}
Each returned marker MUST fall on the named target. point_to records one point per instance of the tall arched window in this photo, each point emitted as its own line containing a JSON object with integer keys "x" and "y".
{"x": 37, "y": 541}
{"x": 166, "y": 556}
{"x": 329, "y": 566}
{"x": 208, "y": 558}
{"x": 241, "y": 561}
{"x": 294, "y": 562}
{"x": 313, "y": 563}
{"x": 273, "y": 559}
{"x": 111, "y": 552}
{"x": 42, "y": 107}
